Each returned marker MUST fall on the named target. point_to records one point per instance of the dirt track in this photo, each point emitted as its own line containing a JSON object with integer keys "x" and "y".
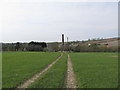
{"x": 71, "y": 81}
{"x": 31, "y": 80}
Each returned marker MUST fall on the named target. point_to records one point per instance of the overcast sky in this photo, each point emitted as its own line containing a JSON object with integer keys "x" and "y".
{"x": 46, "y": 21}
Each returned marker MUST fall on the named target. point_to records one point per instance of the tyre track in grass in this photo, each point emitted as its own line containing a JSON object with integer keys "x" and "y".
{"x": 36, "y": 76}
{"x": 71, "y": 80}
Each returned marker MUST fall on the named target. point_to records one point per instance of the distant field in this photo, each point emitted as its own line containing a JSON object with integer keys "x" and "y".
{"x": 20, "y": 66}
{"x": 96, "y": 70}
{"x": 54, "y": 77}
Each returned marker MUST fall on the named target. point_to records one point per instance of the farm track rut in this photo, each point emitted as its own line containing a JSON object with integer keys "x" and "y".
{"x": 71, "y": 81}
{"x": 36, "y": 76}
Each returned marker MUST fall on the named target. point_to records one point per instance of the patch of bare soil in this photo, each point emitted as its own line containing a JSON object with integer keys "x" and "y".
{"x": 115, "y": 56}
{"x": 71, "y": 81}
{"x": 31, "y": 80}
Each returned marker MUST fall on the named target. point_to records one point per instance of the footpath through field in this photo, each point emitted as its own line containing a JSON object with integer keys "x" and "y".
{"x": 31, "y": 80}
{"x": 71, "y": 81}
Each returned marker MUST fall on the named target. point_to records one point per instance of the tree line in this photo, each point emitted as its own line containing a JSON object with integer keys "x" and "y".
{"x": 31, "y": 46}
{"x": 55, "y": 47}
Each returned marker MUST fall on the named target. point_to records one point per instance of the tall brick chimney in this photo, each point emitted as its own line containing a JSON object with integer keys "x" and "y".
{"x": 62, "y": 39}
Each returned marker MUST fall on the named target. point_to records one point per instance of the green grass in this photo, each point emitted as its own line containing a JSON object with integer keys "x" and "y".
{"x": 92, "y": 70}
{"x": 54, "y": 77}
{"x": 0, "y": 70}
{"x": 20, "y": 66}
{"x": 95, "y": 70}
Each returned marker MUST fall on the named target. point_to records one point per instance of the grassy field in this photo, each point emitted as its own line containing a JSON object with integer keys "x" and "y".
{"x": 0, "y": 70}
{"x": 96, "y": 70}
{"x": 20, "y": 66}
{"x": 54, "y": 77}
{"x": 92, "y": 70}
